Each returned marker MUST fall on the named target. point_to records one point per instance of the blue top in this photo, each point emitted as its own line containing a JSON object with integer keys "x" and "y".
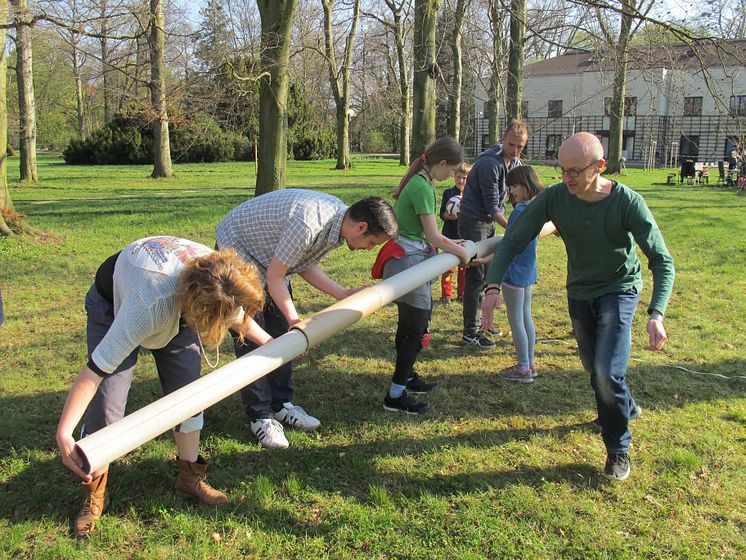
{"x": 485, "y": 191}
{"x": 522, "y": 271}
{"x": 450, "y": 227}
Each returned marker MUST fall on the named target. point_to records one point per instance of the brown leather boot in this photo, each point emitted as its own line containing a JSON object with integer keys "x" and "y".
{"x": 95, "y": 504}
{"x": 192, "y": 482}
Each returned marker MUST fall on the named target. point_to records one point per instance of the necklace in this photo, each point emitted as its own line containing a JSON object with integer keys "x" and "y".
{"x": 217, "y": 353}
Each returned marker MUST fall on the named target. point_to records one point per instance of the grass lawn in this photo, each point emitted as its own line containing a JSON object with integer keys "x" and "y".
{"x": 495, "y": 470}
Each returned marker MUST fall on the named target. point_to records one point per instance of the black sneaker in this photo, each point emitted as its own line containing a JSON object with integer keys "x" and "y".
{"x": 617, "y": 466}
{"x": 445, "y": 301}
{"x": 418, "y": 386}
{"x": 405, "y": 403}
{"x": 478, "y": 340}
{"x": 634, "y": 415}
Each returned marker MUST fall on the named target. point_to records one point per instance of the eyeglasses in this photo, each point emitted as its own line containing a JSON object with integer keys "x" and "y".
{"x": 573, "y": 172}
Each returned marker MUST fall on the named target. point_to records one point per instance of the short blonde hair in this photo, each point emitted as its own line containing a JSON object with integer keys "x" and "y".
{"x": 463, "y": 168}
{"x": 213, "y": 289}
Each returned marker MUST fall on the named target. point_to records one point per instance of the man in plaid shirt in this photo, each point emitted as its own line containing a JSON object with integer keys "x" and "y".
{"x": 286, "y": 232}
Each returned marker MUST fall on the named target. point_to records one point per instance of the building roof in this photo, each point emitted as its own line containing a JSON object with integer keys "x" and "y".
{"x": 696, "y": 55}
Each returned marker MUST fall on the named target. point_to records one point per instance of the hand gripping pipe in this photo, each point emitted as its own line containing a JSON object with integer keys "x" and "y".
{"x": 100, "y": 448}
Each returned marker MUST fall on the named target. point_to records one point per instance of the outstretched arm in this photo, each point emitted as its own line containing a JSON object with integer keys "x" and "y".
{"x": 279, "y": 292}
{"x": 315, "y": 276}
{"x": 77, "y": 401}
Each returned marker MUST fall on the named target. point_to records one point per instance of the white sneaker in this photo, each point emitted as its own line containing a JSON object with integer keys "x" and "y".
{"x": 296, "y": 417}
{"x": 269, "y": 433}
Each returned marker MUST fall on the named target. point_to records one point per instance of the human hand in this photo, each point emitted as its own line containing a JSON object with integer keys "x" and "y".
{"x": 69, "y": 456}
{"x": 450, "y": 216}
{"x": 477, "y": 261}
{"x": 491, "y": 301}
{"x": 656, "y": 334}
{"x": 351, "y": 291}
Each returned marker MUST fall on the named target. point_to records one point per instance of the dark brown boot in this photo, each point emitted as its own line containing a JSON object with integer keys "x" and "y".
{"x": 192, "y": 482}
{"x": 95, "y": 504}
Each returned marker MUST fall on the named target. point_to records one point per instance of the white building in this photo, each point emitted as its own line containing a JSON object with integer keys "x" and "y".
{"x": 680, "y": 101}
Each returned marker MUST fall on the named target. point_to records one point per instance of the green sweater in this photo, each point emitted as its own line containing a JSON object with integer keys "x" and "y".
{"x": 600, "y": 243}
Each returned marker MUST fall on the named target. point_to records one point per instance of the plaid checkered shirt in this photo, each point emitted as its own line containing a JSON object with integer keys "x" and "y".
{"x": 297, "y": 226}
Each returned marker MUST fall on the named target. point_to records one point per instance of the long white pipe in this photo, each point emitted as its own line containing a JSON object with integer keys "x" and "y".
{"x": 100, "y": 448}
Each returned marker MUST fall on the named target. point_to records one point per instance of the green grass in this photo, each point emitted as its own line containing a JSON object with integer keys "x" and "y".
{"x": 496, "y": 470}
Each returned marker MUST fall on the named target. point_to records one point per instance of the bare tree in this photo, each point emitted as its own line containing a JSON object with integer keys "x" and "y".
{"x": 26, "y": 104}
{"x": 339, "y": 77}
{"x": 277, "y": 18}
{"x": 516, "y": 55}
{"x": 454, "y": 106}
{"x": 497, "y": 23}
{"x": 161, "y": 143}
{"x": 425, "y": 73}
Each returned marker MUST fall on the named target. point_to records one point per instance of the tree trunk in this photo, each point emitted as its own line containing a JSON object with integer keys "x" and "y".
{"x": 277, "y": 17}
{"x": 80, "y": 103}
{"x": 26, "y": 104}
{"x": 340, "y": 87}
{"x": 11, "y": 222}
{"x": 616, "y": 118}
{"x": 405, "y": 123}
{"x": 492, "y": 110}
{"x": 425, "y": 72}
{"x": 514, "y": 89}
{"x": 454, "y": 108}
{"x": 161, "y": 142}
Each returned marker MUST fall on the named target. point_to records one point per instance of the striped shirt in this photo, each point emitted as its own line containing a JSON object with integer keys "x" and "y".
{"x": 298, "y": 227}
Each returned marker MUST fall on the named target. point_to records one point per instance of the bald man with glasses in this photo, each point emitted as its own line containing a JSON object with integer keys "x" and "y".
{"x": 600, "y": 220}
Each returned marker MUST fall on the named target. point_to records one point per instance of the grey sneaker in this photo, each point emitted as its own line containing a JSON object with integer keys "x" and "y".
{"x": 518, "y": 374}
{"x": 295, "y": 417}
{"x": 478, "y": 340}
{"x": 617, "y": 466}
{"x": 270, "y": 434}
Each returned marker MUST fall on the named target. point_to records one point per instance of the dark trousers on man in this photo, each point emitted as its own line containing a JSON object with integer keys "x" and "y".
{"x": 474, "y": 230}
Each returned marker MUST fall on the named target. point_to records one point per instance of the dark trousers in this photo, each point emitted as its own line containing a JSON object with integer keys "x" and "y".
{"x": 265, "y": 396}
{"x": 474, "y": 230}
{"x": 603, "y": 329}
{"x": 410, "y": 330}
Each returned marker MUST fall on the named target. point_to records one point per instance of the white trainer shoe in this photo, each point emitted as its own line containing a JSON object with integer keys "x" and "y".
{"x": 270, "y": 433}
{"x": 296, "y": 417}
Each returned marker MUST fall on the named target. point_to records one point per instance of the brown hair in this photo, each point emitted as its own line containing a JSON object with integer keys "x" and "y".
{"x": 517, "y": 127}
{"x": 444, "y": 148}
{"x": 526, "y": 176}
{"x": 213, "y": 288}
{"x": 377, "y": 213}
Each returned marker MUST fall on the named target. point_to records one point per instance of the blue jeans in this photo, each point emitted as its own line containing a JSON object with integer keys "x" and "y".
{"x": 603, "y": 329}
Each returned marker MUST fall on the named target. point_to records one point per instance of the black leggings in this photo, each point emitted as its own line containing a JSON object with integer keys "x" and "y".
{"x": 410, "y": 330}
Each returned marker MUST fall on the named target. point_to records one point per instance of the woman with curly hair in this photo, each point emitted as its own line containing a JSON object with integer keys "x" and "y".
{"x": 175, "y": 298}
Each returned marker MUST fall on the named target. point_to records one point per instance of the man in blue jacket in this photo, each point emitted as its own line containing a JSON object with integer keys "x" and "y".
{"x": 483, "y": 204}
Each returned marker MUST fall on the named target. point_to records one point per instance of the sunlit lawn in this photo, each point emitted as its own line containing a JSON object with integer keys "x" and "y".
{"x": 496, "y": 470}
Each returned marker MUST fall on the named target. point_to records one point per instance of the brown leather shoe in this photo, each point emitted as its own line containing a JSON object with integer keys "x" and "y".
{"x": 95, "y": 504}
{"x": 192, "y": 482}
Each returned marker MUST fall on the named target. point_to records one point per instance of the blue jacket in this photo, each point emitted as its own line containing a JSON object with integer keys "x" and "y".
{"x": 522, "y": 271}
{"x": 484, "y": 195}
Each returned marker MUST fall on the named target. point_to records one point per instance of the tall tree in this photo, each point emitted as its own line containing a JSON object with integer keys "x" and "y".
{"x": 516, "y": 55}
{"x": 26, "y": 104}
{"x": 618, "y": 46}
{"x": 277, "y": 19}
{"x": 425, "y": 73}
{"x": 494, "y": 93}
{"x": 339, "y": 77}
{"x": 161, "y": 142}
{"x": 454, "y": 105}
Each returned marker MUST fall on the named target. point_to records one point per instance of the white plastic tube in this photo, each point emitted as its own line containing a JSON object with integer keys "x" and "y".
{"x": 115, "y": 440}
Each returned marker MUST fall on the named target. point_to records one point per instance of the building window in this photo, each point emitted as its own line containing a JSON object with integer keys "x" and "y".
{"x": 555, "y": 108}
{"x": 630, "y": 106}
{"x": 553, "y": 144}
{"x": 692, "y": 106}
{"x": 737, "y": 105}
{"x": 689, "y": 146}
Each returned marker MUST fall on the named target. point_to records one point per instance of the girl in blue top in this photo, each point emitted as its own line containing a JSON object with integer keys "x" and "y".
{"x": 523, "y": 186}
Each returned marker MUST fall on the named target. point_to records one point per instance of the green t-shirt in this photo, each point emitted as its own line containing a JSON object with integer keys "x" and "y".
{"x": 600, "y": 241}
{"x": 416, "y": 198}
